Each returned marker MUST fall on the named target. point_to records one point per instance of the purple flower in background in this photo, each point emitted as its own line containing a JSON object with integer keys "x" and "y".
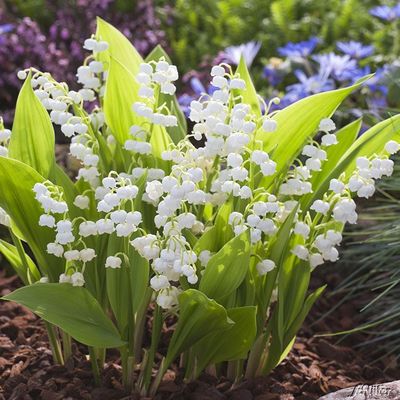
{"x": 338, "y": 67}
{"x": 58, "y": 48}
{"x": 300, "y": 49}
{"x": 386, "y": 13}
{"x": 248, "y": 51}
{"x": 355, "y": 49}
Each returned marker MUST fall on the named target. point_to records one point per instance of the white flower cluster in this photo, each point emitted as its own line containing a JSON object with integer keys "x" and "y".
{"x": 155, "y": 77}
{"x": 297, "y": 182}
{"x": 184, "y": 198}
{"x": 50, "y": 197}
{"x": 260, "y": 219}
{"x": 340, "y": 207}
{"x": 363, "y": 180}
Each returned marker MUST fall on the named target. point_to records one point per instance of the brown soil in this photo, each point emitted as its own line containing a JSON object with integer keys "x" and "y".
{"x": 314, "y": 367}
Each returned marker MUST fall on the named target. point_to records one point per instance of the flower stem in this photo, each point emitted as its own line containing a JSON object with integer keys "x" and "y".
{"x": 155, "y": 338}
{"x": 54, "y": 343}
{"x": 67, "y": 346}
{"x": 254, "y": 357}
{"x": 95, "y": 365}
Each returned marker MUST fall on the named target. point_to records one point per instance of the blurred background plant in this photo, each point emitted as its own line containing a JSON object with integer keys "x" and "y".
{"x": 48, "y": 34}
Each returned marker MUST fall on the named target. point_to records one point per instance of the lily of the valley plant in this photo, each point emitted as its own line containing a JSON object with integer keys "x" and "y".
{"x": 213, "y": 231}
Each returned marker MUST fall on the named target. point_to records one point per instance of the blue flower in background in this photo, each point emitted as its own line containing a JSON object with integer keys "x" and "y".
{"x": 6, "y": 28}
{"x": 358, "y": 73}
{"x": 198, "y": 89}
{"x": 300, "y": 49}
{"x": 386, "y": 13}
{"x": 248, "y": 50}
{"x": 311, "y": 84}
{"x": 355, "y": 49}
{"x": 338, "y": 67}
{"x": 273, "y": 75}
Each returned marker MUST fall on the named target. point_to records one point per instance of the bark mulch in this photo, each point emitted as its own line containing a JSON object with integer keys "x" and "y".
{"x": 314, "y": 367}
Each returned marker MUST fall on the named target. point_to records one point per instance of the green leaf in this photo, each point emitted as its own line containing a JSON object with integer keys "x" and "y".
{"x": 224, "y": 231}
{"x": 10, "y": 252}
{"x": 120, "y": 94}
{"x": 18, "y": 199}
{"x": 249, "y": 94}
{"x": 73, "y": 309}
{"x": 226, "y": 270}
{"x": 60, "y": 178}
{"x": 301, "y": 316}
{"x": 277, "y": 252}
{"x": 139, "y": 272}
{"x": 297, "y": 123}
{"x": 32, "y": 139}
{"x": 206, "y": 241}
{"x": 199, "y": 316}
{"x": 175, "y": 132}
{"x": 159, "y": 141}
{"x": 280, "y": 348}
{"x": 118, "y": 286}
{"x": 232, "y": 344}
{"x": 120, "y": 48}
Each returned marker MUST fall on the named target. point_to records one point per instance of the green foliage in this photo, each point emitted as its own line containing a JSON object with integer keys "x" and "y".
{"x": 207, "y": 27}
{"x": 60, "y": 303}
{"x": 26, "y": 145}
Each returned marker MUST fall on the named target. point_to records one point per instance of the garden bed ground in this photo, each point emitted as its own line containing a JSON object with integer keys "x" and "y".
{"x": 314, "y": 367}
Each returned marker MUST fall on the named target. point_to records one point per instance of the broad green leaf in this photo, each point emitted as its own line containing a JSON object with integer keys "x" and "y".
{"x": 120, "y": 94}
{"x": 297, "y": 123}
{"x": 118, "y": 286}
{"x": 277, "y": 252}
{"x": 73, "y": 309}
{"x": 10, "y": 252}
{"x": 232, "y": 344}
{"x": 159, "y": 141}
{"x": 226, "y": 270}
{"x": 175, "y": 132}
{"x": 301, "y": 316}
{"x": 139, "y": 272}
{"x": 224, "y": 231}
{"x": 18, "y": 199}
{"x": 249, "y": 94}
{"x": 199, "y": 316}
{"x": 207, "y": 241}
{"x": 32, "y": 139}
{"x": 60, "y": 178}
{"x": 293, "y": 282}
{"x": 120, "y": 48}
{"x": 278, "y": 350}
